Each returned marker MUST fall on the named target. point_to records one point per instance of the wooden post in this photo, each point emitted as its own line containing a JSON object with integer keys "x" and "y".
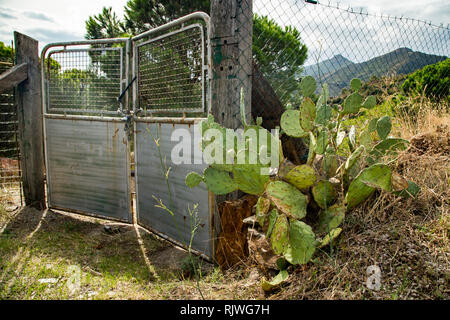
{"x": 231, "y": 47}
{"x": 29, "y": 111}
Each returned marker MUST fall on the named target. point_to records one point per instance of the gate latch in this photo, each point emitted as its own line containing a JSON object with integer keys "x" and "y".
{"x": 119, "y": 99}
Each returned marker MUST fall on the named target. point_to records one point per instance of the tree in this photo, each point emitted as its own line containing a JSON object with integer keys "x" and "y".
{"x": 6, "y": 53}
{"x": 432, "y": 80}
{"x": 280, "y": 55}
{"x": 104, "y": 25}
{"x": 141, "y": 15}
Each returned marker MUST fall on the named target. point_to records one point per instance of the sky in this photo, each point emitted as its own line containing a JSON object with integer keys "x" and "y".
{"x": 53, "y": 21}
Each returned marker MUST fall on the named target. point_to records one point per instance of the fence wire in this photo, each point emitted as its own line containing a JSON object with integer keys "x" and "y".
{"x": 10, "y": 172}
{"x": 83, "y": 81}
{"x": 341, "y": 44}
{"x": 170, "y": 71}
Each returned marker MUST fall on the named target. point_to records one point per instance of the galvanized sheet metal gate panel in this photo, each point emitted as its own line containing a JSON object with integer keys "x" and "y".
{"x": 87, "y": 167}
{"x": 88, "y": 130}
{"x": 171, "y": 64}
{"x": 151, "y": 186}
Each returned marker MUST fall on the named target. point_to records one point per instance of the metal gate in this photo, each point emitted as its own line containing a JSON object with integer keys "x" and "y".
{"x": 171, "y": 97}
{"x": 98, "y": 94}
{"x": 86, "y": 144}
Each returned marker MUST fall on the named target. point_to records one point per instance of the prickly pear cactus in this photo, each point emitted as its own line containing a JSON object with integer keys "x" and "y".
{"x": 331, "y": 184}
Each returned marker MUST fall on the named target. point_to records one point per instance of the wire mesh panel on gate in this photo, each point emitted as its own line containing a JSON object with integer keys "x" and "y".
{"x": 84, "y": 80}
{"x": 171, "y": 73}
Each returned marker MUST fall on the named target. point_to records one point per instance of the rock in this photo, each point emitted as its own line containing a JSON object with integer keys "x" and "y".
{"x": 49, "y": 280}
{"x": 111, "y": 229}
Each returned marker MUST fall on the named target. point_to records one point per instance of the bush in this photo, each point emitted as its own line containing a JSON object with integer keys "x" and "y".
{"x": 432, "y": 80}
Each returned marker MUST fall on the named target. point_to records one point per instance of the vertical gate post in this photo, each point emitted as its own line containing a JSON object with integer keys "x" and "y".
{"x": 29, "y": 111}
{"x": 231, "y": 47}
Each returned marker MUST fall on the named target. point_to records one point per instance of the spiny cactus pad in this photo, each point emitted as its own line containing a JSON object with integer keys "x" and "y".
{"x": 373, "y": 125}
{"x": 302, "y": 243}
{"x": 287, "y": 198}
{"x": 412, "y": 191}
{"x": 280, "y": 234}
{"x": 384, "y": 126}
{"x": 354, "y": 157}
{"x": 275, "y": 282}
{"x": 370, "y": 102}
{"x": 218, "y": 181}
{"x": 376, "y": 176}
{"x": 307, "y": 114}
{"x": 324, "y": 193}
{"x": 322, "y": 142}
{"x": 331, "y": 217}
{"x": 273, "y": 216}
{"x": 308, "y": 86}
{"x": 193, "y": 179}
{"x": 301, "y": 177}
{"x": 323, "y": 114}
{"x": 389, "y": 146}
{"x": 332, "y": 235}
{"x": 355, "y": 84}
{"x": 352, "y": 103}
{"x": 262, "y": 207}
{"x": 330, "y": 165}
{"x": 365, "y": 139}
{"x": 290, "y": 123}
{"x": 249, "y": 179}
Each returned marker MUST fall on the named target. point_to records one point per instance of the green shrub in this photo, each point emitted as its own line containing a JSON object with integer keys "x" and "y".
{"x": 433, "y": 80}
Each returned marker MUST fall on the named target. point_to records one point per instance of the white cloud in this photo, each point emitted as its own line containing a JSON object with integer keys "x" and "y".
{"x": 64, "y": 19}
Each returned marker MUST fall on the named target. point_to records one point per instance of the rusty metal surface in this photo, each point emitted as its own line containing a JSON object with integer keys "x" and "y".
{"x": 87, "y": 167}
{"x": 151, "y": 184}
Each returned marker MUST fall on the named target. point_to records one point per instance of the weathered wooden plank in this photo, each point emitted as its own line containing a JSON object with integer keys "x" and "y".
{"x": 231, "y": 44}
{"x": 29, "y": 111}
{"x": 12, "y": 77}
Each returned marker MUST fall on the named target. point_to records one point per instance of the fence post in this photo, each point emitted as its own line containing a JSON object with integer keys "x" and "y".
{"x": 231, "y": 47}
{"x": 29, "y": 111}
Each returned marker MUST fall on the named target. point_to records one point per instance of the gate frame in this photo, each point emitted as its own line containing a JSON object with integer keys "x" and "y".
{"x": 45, "y": 115}
{"x": 206, "y": 103}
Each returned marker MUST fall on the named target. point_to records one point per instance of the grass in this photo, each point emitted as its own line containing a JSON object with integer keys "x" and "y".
{"x": 38, "y": 245}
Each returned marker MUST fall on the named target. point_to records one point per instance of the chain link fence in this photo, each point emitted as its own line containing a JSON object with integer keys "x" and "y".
{"x": 334, "y": 44}
{"x": 10, "y": 172}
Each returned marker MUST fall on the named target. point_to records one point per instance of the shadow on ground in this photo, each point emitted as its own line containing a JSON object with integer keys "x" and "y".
{"x": 99, "y": 246}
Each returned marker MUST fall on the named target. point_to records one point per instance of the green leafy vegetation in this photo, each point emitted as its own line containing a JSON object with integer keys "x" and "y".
{"x": 432, "y": 80}
{"x": 336, "y": 185}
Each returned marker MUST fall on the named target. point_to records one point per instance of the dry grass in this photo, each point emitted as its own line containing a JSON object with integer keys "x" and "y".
{"x": 407, "y": 238}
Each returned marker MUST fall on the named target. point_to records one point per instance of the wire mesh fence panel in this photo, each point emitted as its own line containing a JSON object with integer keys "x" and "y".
{"x": 84, "y": 81}
{"x": 292, "y": 39}
{"x": 171, "y": 72}
{"x": 10, "y": 173}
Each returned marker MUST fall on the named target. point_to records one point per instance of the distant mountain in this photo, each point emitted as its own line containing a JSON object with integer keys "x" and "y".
{"x": 399, "y": 61}
{"x": 327, "y": 67}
